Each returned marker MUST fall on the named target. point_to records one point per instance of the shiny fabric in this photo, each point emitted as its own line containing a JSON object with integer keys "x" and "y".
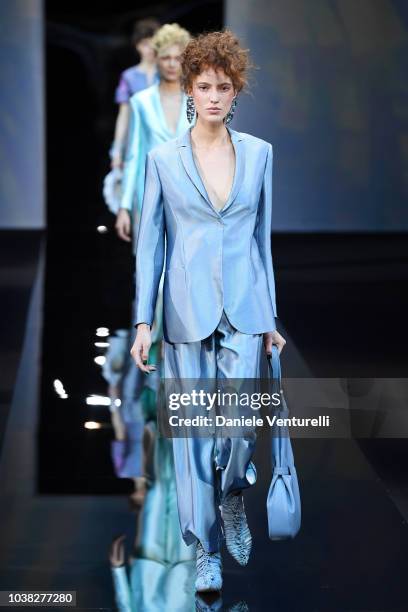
{"x": 209, "y": 468}
{"x": 154, "y": 586}
{"x": 162, "y": 573}
{"x": 159, "y": 536}
{"x": 283, "y": 501}
{"x": 148, "y": 128}
{"x": 127, "y": 454}
{"x": 215, "y": 260}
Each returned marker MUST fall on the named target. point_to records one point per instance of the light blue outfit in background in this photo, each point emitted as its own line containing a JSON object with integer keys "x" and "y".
{"x": 127, "y": 454}
{"x": 155, "y": 587}
{"x": 148, "y": 128}
{"x": 161, "y": 545}
{"x": 162, "y": 573}
{"x": 218, "y": 300}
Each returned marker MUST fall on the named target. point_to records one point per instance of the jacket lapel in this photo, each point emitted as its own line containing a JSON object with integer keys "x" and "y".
{"x": 159, "y": 117}
{"x": 186, "y": 154}
{"x": 239, "y": 174}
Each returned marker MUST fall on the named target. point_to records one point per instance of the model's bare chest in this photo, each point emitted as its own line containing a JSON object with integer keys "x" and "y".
{"x": 217, "y": 170}
{"x": 171, "y": 109}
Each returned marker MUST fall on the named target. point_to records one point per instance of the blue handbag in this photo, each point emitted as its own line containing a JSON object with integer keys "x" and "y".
{"x": 283, "y": 502}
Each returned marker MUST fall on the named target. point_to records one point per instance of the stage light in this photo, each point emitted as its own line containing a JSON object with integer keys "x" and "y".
{"x": 102, "y": 332}
{"x": 92, "y": 425}
{"x": 59, "y": 389}
{"x": 98, "y": 400}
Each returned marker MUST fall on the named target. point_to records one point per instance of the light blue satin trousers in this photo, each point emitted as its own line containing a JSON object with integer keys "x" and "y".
{"x": 209, "y": 468}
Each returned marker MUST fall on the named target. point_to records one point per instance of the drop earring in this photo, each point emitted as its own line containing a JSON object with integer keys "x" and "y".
{"x": 190, "y": 108}
{"x": 230, "y": 114}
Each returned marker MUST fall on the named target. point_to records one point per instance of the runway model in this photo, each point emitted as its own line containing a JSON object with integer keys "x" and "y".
{"x": 128, "y": 420}
{"x": 157, "y": 115}
{"x": 208, "y": 198}
{"x": 132, "y": 80}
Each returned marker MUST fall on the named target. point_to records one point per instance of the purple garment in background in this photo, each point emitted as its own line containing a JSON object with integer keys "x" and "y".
{"x": 131, "y": 81}
{"x": 127, "y": 454}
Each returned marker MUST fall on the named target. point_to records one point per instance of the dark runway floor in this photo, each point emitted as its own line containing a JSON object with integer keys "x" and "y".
{"x": 342, "y": 309}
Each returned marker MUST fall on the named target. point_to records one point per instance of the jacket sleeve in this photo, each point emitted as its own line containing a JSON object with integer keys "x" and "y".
{"x": 132, "y": 158}
{"x": 123, "y": 596}
{"x": 150, "y": 246}
{"x": 264, "y": 227}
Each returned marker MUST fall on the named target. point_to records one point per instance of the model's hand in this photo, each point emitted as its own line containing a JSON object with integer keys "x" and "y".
{"x": 271, "y": 338}
{"x": 141, "y": 347}
{"x": 123, "y": 225}
{"x": 117, "y": 551}
{"x": 116, "y": 162}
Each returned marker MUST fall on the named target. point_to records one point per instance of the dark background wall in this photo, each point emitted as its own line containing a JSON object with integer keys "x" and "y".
{"x": 331, "y": 94}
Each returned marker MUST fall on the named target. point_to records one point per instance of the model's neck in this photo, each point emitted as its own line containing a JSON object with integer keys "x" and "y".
{"x": 169, "y": 87}
{"x": 147, "y": 65}
{"x": 206, "y": 134}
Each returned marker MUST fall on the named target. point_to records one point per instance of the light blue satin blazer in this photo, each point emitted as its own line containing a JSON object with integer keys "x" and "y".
{"x": 148, "y": 129}
{"x": 214, "y": 260}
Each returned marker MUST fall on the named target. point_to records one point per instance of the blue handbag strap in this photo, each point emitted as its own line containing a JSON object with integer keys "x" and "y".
{"x": 275, "y": 373}
{"x": 274, "y": 364}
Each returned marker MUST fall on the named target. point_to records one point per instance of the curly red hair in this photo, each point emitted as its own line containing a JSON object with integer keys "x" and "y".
{"x": 215, "y": 50}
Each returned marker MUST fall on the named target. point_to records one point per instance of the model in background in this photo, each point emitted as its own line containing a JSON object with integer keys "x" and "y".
{"x": 135, "y": 416}
{"x": 208, "y": 200}
{"x": 128, "y": 455}
{"x": 158, "y": 115}
{"x": 132, "y": 80}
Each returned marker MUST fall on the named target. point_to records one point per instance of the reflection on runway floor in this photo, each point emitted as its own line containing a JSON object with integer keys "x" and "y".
{"x": 61, "y": 504}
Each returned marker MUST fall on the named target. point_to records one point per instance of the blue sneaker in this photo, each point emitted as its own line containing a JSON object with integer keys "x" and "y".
{"x": 209, "y": 568}
{"x": 237, "y": 535}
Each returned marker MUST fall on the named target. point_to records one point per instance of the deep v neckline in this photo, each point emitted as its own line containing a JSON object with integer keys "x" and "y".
{"x": 184, "y": 146}
{"x": 163, "y": 115}
{"x": 203, "y": 177}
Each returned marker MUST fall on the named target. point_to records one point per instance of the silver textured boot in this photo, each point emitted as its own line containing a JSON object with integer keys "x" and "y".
{"x": 237, "y": 535}
{"x": 209, "y": 568}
